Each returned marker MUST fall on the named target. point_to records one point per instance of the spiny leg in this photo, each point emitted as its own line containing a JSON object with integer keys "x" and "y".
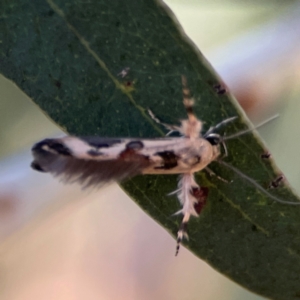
{"x": 171, "y": 128}
{"x": 192, "y": 199}
{"x": 182, "y": 233}
{"x": 190, "y": 128}
{"x": 188, "y": 101}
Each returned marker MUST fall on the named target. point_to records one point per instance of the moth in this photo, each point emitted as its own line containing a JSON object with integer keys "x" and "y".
{"x": 93, "y": 161}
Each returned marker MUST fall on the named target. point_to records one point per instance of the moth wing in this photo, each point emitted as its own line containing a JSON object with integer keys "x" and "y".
{"x": 91, "y": 161}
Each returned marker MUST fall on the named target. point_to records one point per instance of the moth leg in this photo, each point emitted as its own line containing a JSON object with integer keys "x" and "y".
{"x": 171, "y": 128}
{"x": 187, "y": 196}
{"x": 188, "y": 101}
{"x": 182, "y": 233}
{"x": 212, "y": 173}
{"x": 225, "y": 150}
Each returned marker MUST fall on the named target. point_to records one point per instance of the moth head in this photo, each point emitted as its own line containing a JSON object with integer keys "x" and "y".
{"x": 214, "y": 139}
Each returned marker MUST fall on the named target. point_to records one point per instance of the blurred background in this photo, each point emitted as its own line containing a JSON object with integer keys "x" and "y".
{"x": 59, "y": 242}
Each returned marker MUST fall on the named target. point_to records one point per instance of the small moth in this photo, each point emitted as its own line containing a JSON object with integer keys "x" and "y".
{"x": 94, "y": 161}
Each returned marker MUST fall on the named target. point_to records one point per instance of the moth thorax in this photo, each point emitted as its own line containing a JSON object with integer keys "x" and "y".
{"x": 191, "y": 128}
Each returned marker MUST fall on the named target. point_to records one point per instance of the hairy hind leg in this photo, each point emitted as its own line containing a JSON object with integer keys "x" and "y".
{"x": 188, "y": 101}
{"x": 192, "y": 199}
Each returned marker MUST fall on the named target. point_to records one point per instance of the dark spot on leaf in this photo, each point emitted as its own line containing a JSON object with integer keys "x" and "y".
{"x": 265, "y": 155}
{"x": 253, "y": 228}
{"x": 50, "y": 13}
{"x": 275, "y": 183}
{"x": 118, "y": 23}
{"x": 297, "y": 295}
{"x": 128, "y": 86}
{"x": 57, "y": 83}
{"x": 93, "y": 99}
{"x": 219, "y": 89}
{"x": 122, "y": 57}
{"x": 149, "y": 184}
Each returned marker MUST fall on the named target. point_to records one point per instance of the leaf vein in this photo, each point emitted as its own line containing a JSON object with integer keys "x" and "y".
{"x": 102, "y": 64}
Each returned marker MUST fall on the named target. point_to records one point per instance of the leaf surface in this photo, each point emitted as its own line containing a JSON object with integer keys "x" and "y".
{"x": 67, "y": 56}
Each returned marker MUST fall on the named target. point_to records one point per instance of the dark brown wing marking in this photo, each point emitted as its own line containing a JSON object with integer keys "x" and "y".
{"x": 170, "y": 160}
{"x": 53, "y": 145}
{"x": 99, "y": 142}
{"x": 137, "y": 145}
{"x": 275, "y": 183}
{"x": 94, "y": 153}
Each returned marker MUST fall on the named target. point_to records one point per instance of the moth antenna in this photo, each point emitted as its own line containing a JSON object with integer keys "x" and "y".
{"x": 259, "y": 187}
{"x": 224, "y": 122}
{"x": 230, "y": 137}
{"x": 188, "y": 101}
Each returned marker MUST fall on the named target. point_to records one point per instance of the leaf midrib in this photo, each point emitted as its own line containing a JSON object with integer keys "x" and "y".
{"x": 103, "y": 66}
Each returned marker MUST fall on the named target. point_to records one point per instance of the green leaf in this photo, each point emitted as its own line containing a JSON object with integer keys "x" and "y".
{"x": 66, "y": 55}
